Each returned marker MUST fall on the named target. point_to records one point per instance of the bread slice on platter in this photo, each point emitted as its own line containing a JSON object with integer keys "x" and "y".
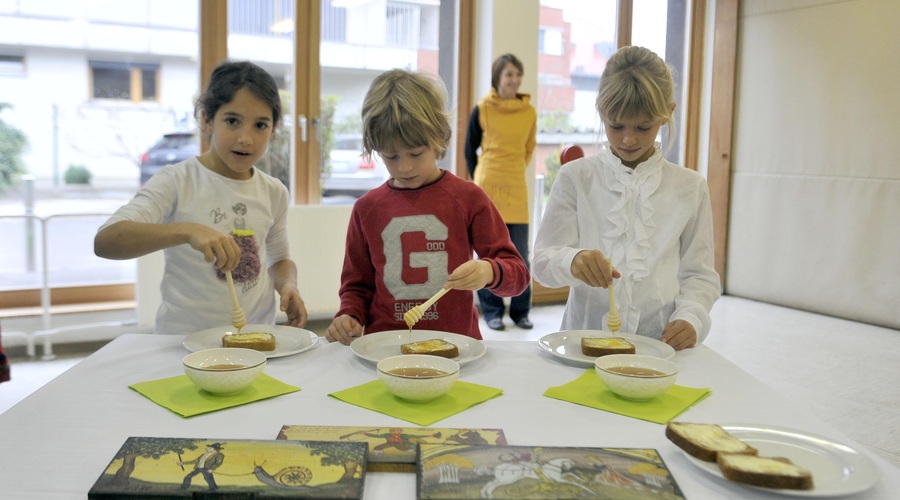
{"x": 435, "y": 347}
{"x": 260, "y": 341}
{"x": 706, "y": 441}
{"x": 765, "y": 472}
{"x": 601, "y": 346}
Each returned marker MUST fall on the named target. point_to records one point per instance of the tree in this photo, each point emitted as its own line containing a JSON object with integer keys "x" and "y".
{"x": 277, "y": 162}
{"x": 147, "y": 447}
{"x": 335, "y": 453}
{"x": 12, "y": 144}
{"x": 552, "y": 164}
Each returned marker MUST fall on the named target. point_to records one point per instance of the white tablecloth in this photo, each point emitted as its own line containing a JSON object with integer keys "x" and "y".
{"x": 57, "y": 442}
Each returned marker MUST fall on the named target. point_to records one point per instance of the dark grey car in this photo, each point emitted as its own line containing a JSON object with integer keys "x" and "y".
{"x": 172, "y": 148}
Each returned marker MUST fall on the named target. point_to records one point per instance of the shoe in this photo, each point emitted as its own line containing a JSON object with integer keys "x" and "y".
{"x": 496, "y": 324}
{"x": 524, "y": 323}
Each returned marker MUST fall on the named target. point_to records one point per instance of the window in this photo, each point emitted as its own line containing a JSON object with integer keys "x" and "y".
{"x": 12, "y": 64}
{"x": 551, "y": 42}
{"x": 402, "y": 25}
{"x": 135, "y": 82}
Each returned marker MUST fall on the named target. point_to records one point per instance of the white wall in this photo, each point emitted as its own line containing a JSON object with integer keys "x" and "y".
{"x": 815, "y": 184}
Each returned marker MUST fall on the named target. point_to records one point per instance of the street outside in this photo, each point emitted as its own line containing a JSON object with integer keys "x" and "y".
{"x": 70, "y": 251}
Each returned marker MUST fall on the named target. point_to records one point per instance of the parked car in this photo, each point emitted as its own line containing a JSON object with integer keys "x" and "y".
{"x": 351, "y": 173}
{"x": 172, "y": 148}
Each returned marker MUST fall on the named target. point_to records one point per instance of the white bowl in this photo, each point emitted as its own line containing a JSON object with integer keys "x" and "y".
{"x": 419, "y": 388}
{"x": 635, "y": 386}
{"x": 224, "y": 370}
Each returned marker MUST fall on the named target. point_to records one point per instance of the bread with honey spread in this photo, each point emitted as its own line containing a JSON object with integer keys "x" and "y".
{"x": 601, "y": 346}
{"x": 435, "y": 347}
{"x": 706, "y": 441}
{"x": 765, "y": 472}
{"x": 260, "y": 341}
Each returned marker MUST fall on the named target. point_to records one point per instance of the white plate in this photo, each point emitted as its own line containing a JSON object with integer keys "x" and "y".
{"x": 837, "y": 469}
{"x": 567, "y": 345}
{"x": 288, "y": 340}
{"x": 377, "y": 346}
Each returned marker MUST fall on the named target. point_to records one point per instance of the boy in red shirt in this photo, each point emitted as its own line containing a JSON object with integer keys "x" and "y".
{"x": 417, "y": 232}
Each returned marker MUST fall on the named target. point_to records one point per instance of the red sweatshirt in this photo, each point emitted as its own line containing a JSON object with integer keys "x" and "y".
{"x": 402, "y": 244}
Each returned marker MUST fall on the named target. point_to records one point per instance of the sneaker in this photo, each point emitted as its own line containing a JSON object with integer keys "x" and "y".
{"x": 524, "y": 323}
{"x": 495, "y": 324}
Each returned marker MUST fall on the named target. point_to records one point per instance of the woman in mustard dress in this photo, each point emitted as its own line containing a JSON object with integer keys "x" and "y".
{"x": 504, "y": 126}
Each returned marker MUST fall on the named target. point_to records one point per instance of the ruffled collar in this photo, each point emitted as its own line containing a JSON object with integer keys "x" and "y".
{"x": 493, "y": 99}
{"x": 631, "y": 217}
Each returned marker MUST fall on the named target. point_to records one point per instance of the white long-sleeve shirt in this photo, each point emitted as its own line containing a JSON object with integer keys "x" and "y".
{"x": 654, "y": 221}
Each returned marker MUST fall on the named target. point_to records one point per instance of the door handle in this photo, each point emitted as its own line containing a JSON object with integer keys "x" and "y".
{"x": 301, "y": 123}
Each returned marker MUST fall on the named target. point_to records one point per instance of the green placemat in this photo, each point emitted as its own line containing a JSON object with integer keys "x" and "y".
{"x": 181, "y": 396}
{"x": 589, "y": 390}
{"x": 375, "y": 396}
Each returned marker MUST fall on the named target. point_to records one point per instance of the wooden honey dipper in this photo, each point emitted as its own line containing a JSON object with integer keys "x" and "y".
{"x": 238, "y": 320}
{"x": 613, "y": 321}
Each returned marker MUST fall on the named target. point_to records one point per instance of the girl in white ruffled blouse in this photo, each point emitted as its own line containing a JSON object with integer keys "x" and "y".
{"x": 650, "y": 217}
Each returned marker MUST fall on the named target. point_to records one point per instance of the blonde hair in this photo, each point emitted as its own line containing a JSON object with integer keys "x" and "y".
{"x": 637, "y": 83}
{"x": 406, "y": 109}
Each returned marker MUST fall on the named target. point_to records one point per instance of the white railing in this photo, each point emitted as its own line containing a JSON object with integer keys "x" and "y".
{"x": 36, "y": 231}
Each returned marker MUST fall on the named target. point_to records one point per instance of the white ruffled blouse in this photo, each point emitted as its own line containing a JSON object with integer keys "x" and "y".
{"x": 654, "y": 221}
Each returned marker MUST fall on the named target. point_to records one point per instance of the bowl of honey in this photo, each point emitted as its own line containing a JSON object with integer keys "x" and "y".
{"x": 418, "y": 377}
{"x": 224, "y": 370}
{"x": 636, "y": 377}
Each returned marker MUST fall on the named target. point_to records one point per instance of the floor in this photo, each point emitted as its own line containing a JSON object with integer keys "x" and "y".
{"x": 862, "y": 403}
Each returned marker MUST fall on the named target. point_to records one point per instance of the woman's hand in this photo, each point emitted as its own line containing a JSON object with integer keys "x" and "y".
{"x": 344, "y": 329}
{"x": 680, "y": 335}
{"x": 590, "y": 266}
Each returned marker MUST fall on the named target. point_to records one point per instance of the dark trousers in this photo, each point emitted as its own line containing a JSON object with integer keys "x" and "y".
{"x": 210, "y": 480}
{"x": 492, "y": 306}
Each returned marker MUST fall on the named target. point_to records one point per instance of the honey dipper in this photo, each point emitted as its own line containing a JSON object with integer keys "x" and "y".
{"x": 613, "y": 321}
{"x": 238, "y": 320}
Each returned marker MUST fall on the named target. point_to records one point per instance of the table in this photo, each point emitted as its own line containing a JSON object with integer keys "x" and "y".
{"x": 58, "y": 440}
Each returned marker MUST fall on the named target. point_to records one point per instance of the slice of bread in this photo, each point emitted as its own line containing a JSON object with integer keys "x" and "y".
{"x": 706, "y": 441}
{"x": 260, "y": 341}
{"x": 601, "y": 346}
{"x": 435, "y": 347}
{"x": 765, "y": 472}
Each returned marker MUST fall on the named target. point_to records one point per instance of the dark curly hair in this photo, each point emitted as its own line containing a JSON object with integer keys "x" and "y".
{"x": 229, "y": 77}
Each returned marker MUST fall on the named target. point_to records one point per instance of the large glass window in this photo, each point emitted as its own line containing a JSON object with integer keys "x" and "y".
{"x": 261, "y": 31}
{"x": 88, "y": 89}
{"x": 569, "y": 72}
{"x": 360, "y": 40}
{"x": 568, "y": 78}
{"x": 93, "y": 91}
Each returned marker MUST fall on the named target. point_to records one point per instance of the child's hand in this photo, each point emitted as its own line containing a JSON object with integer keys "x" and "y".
{"x": 471, "y": 275}
{"x": 680, "y": 335}
{"x": 216, "y": 247}
{"x": 292, "y": 304}
{"x": 590, "y": 266}
{"x": 344, "y": 329}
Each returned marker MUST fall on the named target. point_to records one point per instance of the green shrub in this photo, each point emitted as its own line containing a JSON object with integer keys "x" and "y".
{"x": 77, "y": 174}
{"x": 552, "y": 164}
{"x": 12, "y": 144}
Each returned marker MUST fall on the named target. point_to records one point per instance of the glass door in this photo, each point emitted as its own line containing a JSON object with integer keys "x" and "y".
{"x": 358, "y": 41}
